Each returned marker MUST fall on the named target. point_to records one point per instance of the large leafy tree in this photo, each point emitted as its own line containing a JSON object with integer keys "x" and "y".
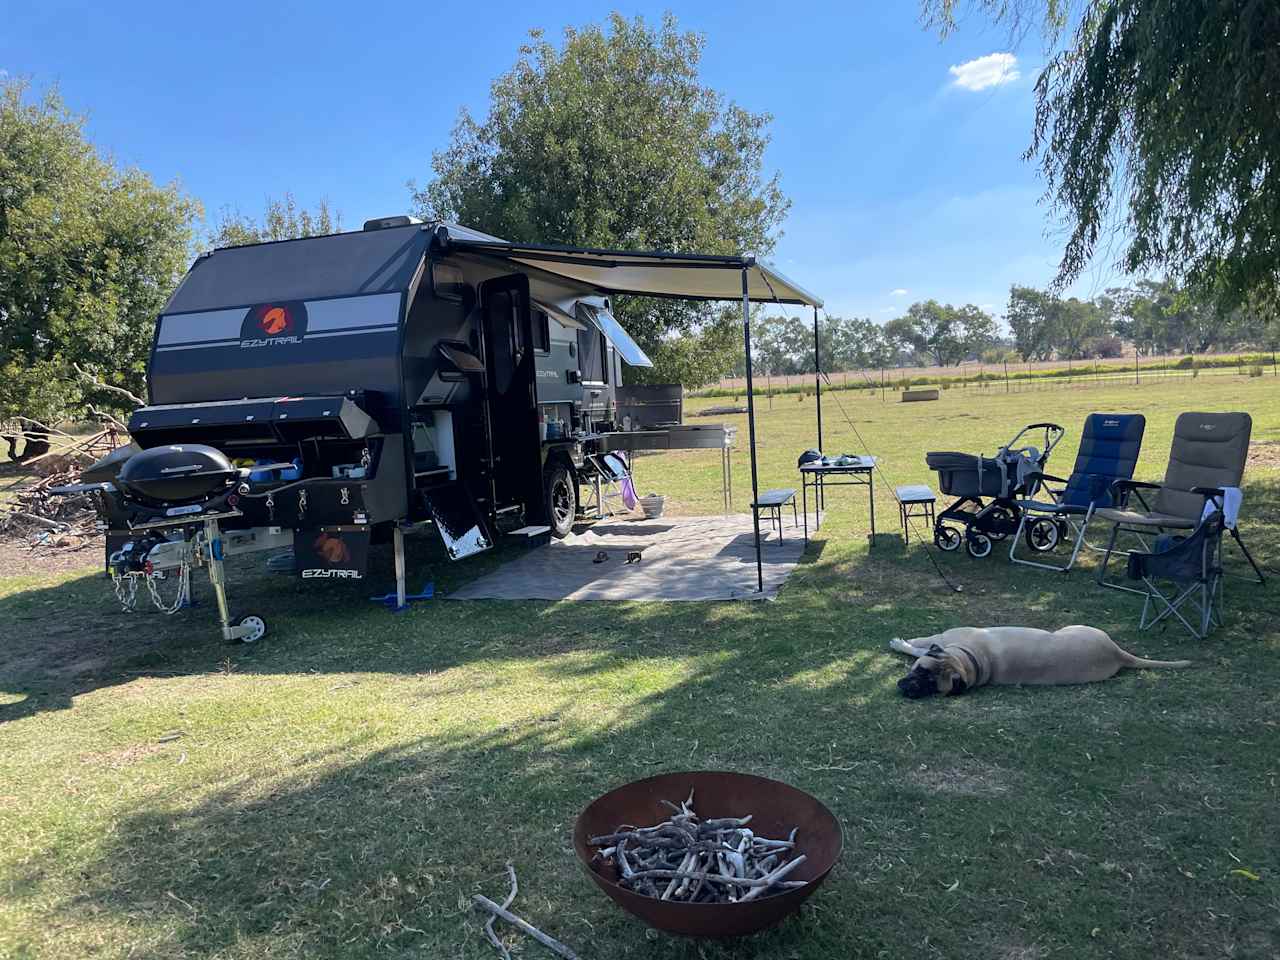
{"x": 89, "y": 252}
{"x": 946, "y": 334}
{"x": 1030, "y": 320}
{"x": 1159, "y": 120}
{"x": 612, "y": 140}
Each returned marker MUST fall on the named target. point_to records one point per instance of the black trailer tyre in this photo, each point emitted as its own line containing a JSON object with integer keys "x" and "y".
{"x": 946, "y": 538}
{"x": 257, "y": 628}
{"x": 560, "y": 490}
{"x": 1042, "y": 534}
{"x": 978, "y": 545}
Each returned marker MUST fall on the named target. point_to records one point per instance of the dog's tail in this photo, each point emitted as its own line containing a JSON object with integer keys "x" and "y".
{"x": 1142, "y": 663}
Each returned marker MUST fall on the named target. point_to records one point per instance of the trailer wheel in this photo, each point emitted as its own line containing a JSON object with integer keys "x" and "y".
{"x": 256, "y": 627}
{"x": 560, "y": 493}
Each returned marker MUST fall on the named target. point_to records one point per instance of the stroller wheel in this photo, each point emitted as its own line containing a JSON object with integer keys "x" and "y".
{"x": 946, "y": 538}
{"x": 1042, "y": 535}
{"x": 978, "y": 545}
{"x": 1064, "y": 532}
{"x": 1000, "y": 521}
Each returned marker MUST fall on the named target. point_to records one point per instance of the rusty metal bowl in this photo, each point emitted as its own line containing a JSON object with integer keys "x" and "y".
{"x": 775, "y": 808}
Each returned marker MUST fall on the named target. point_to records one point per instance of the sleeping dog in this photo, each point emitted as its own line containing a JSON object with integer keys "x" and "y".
{"x": 957, "y": 660}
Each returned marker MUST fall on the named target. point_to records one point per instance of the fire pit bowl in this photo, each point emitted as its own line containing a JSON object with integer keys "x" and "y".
{"x": 775, "y": 808}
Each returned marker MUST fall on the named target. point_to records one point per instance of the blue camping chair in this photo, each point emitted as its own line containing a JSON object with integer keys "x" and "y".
{"x": 1109, "y": 450}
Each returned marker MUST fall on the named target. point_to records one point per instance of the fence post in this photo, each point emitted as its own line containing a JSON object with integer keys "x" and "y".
{"x": 882, "y": 400}
{"x": 1006, "y": 374}
{"x": 1135, "y": 364}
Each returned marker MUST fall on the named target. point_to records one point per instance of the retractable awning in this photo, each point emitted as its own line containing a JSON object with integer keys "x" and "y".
{"x": 684, "y": 276}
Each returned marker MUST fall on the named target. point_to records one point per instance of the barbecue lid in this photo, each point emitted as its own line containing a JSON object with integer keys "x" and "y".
{"x": 179, "y": 473}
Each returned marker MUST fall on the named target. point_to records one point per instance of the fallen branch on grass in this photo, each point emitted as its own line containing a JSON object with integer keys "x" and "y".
{"x": 501, "y": 912}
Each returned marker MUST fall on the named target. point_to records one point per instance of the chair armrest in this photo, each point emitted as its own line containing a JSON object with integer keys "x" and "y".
{"x": 1121, "y": 489}
{"x": 1041, "y": 477}
{"x": 1209, "y": 493}
{"x": 1124, "y": 485}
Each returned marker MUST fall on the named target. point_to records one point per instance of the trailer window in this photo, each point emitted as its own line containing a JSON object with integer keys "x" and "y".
{"x": 447, "y": 281}
{"x": 592, "y": 356}
{"x": 541, "y": 332}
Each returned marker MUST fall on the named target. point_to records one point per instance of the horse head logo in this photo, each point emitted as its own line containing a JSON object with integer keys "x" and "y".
{"x": 275, "y": 321}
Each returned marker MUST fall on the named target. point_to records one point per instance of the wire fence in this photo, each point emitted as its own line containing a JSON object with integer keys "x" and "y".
{"x": 1013, "y": 377}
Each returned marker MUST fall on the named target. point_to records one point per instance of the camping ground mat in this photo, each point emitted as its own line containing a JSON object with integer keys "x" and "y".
{"x": 681, "y": 558}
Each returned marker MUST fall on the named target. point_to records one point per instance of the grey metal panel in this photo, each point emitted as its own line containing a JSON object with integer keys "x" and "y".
{"x": 343, "y": 264}
{"x": 379, "y": 310}
{"x": 200, "y": 327}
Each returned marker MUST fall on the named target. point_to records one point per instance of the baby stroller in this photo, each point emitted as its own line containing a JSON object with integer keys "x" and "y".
{"x": 987, "y": 490}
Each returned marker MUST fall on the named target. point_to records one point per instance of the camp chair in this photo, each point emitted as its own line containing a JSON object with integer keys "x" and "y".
{"x": 1108, "y": 452}
{"x": 608, "y": 476}
{"x": 1208, "y": 454}
{"x": 1193, "y": 564}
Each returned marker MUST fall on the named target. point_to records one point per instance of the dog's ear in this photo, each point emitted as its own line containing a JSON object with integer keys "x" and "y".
{"x": 936, "y": 651}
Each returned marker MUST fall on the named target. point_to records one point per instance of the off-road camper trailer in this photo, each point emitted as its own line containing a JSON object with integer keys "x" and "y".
{"x": 325, "y": 391}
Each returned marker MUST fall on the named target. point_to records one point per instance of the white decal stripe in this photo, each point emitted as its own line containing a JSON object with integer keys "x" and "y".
{"x": 201, "y": 346}
{"x": 354, "y": 333}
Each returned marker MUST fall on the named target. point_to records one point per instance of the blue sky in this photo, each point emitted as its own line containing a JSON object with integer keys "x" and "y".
{"x": 900, "y": 152}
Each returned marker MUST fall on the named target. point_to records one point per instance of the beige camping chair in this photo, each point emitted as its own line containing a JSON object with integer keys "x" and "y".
{"x": 1209, "y": 452}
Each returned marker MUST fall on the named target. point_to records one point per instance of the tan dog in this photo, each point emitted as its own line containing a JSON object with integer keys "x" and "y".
{"x": 957, "y": 660}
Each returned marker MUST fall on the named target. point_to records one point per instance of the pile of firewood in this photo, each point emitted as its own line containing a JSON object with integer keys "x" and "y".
{"x": 693, "y": 860}
{"x": 31, "y": 514}
{"x": 40, "y": 518}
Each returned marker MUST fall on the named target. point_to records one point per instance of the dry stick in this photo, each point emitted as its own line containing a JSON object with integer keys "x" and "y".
{"x": 774, "y": 877}
{"x": 488, "y": 926}
{"x": 760, "y": 883}
{"x": 484, "y": 903}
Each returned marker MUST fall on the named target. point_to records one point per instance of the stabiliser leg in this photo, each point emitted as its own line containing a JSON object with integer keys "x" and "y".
{"x": 248, "y": 629}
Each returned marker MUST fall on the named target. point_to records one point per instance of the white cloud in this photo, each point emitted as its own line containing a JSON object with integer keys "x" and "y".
{"x": 990, "y": 71}
{"x": 899, "y": 292}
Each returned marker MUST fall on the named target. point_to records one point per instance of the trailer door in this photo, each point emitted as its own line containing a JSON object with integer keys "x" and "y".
{"x": 515, "y": 468}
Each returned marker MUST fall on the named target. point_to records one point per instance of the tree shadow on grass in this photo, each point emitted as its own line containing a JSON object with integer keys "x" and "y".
{"x": 376, "y": 851}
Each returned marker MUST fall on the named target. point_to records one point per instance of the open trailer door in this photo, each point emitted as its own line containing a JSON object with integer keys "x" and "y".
{"x": 515, "y": 455}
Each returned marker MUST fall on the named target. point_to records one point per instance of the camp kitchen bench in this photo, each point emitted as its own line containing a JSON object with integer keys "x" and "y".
{"x": 772, "y": 502}
{"x": 918, "y": 496}
{"x": 860, "y": 473}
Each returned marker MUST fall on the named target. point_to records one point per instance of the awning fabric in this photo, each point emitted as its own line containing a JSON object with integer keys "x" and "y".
{"x": 684, "y": 276}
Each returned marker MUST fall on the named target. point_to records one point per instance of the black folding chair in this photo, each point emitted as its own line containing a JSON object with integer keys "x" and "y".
{"x": 1192, "y": 566}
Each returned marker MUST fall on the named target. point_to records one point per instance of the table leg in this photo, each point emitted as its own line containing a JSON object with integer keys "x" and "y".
{"x": 871, "y": 485}
{"x": 804, "y": 497}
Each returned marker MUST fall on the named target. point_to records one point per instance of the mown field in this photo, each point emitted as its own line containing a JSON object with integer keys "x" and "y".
{"x": 344, "y": 787}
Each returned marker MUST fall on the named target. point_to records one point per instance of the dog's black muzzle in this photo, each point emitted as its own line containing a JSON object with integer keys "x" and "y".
{"x": 918, "y": 683}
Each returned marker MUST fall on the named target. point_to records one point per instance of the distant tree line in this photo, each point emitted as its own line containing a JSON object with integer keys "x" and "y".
{"x": 1152, "y": 317}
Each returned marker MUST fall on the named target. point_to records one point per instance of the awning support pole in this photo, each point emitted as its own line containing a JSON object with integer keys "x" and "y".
{"x": 817, "y": 375}
{"x": 751, "y": 428}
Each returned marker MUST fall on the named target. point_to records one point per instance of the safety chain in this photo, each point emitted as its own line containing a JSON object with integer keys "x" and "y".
{"x": 126, "y": 588}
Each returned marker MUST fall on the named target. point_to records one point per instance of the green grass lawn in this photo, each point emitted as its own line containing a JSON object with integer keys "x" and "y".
{"x": 344, "y": 787}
